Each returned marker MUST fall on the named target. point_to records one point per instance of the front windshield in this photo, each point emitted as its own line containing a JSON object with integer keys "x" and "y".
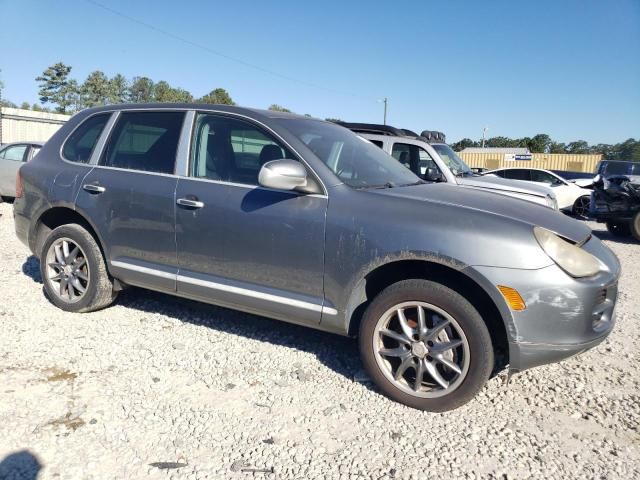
{"x": 356, "y": 161}
{"x": 451, "y": 158}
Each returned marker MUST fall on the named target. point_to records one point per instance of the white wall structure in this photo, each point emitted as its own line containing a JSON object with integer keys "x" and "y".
{"x": 18, "y": 125}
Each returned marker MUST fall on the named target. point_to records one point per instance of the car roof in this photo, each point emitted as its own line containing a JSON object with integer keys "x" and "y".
{"x": 522, "y": 168}
{"x": 197, "y": 106}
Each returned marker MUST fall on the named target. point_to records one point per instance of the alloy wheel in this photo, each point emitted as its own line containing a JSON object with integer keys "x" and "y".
{"x": 581, "y": 208}
{"x": 421, "y": 349}
{"x": 67, "y": 270}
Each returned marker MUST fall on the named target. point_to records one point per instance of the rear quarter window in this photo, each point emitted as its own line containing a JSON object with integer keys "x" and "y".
{"x": 81, "y": 143}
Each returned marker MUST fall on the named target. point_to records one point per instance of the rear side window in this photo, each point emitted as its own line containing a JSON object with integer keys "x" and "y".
{"x": 14, "y": 153}
{"x": 145, "y": 141}
{"x": 79, "y": 146}
{"x": 517, "y": 174}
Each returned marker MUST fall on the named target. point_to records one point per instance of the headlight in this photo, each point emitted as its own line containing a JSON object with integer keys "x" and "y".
{"x": 552, "y": 202}
{"x": 573, "y": 260}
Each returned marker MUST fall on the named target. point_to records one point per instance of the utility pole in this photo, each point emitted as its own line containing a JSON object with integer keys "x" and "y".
{"x": 385, "y": 100}
{"x": 484, "y": 130}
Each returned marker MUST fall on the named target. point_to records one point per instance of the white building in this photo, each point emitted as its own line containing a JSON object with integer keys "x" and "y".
{"x": 17, "y": 124}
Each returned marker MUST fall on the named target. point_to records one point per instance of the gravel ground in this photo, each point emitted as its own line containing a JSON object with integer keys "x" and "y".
{"x": 157, "y": 387}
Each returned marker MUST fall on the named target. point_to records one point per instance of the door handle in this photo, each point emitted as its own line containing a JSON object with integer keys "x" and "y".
{"x": 92, "y": 188}
{"x": 189, "y": 203}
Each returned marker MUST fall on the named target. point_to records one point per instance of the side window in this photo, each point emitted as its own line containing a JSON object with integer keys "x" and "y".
{"x": 426, "y": 162}
{"x": 14, "y": 153}
{"x": 542, "y": 177}
{"x": 79, "y": 146}
{"x": 34, "y": 151}
{"x": 232, "y": 150}
{"x": 412, "y": 157}
{"x": 377, "y": 143}
{"x": 145, "y": 141}
{"x": 517, "y": 174}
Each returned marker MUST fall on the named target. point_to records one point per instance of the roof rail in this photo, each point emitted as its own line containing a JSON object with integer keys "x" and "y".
{"x": 373, "y": 128}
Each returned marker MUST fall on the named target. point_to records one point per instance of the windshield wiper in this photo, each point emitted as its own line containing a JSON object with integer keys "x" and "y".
{"x": 384, "y": 185}
{"x": 419, "y": 182}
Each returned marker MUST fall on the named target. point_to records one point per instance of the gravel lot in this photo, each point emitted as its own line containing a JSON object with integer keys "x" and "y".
{"x": 154, "y": 383}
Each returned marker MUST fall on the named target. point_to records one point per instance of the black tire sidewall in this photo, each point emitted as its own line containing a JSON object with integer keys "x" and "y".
{"x": 634, "y": 226}
{"x": 480, "y": 346}
{"x": 89, "y": 247}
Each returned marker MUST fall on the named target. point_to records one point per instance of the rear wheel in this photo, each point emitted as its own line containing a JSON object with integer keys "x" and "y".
{"x": 425, "y": 345}
{"x": 619, "y": 228}
{"x": 581, "y": 206}
{"x": 73, "y": 271}
{"x": 634, "y": 226}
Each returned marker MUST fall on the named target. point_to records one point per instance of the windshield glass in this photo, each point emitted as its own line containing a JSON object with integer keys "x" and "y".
{"x": 451, "y": 158}
{"x": 356, "y": 161}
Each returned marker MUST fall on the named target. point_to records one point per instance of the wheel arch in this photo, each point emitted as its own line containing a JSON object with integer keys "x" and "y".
{"x": 458, "y": 279}
{"x": 57, "y": 216}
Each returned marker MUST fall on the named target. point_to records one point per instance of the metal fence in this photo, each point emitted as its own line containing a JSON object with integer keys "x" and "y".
{"x": 548, "y": 161}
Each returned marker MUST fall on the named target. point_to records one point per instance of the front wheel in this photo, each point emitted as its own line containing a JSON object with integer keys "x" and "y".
{"x": 581, "y": 207}
{"x": 425, "y": 345}
{"x": 73, "y": 271}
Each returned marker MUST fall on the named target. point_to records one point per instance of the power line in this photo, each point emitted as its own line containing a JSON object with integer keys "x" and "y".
{"x": 220, "y": 54}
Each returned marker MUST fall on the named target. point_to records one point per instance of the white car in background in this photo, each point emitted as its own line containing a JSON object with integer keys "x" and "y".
{"x": 571, "y": 198}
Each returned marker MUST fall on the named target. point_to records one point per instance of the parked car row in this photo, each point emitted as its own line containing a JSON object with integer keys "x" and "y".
{"x": 443, "y": 281}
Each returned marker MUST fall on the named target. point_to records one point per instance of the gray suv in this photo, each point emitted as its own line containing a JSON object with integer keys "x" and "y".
{"x": 303, "y": 221}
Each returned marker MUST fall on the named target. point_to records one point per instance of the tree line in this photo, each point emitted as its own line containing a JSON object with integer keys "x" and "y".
{"x": 543, "y": 143}
{"x": 61, "y": 93}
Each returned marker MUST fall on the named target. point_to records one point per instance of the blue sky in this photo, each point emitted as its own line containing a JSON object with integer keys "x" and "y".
{"x": 567, "y": 68}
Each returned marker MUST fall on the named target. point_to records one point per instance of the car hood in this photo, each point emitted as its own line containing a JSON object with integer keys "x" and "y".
{"x": 505, "y": 185}
{"x": 493, "y": 204}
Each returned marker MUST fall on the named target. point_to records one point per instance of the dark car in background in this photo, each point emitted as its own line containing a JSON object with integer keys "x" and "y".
{"x": 303, "y": 221}
{"x": 607, "y": 168}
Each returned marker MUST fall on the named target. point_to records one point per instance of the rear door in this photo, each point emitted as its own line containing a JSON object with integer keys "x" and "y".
{"x": 130, "y": 197}
{"x": 241, "y": 245}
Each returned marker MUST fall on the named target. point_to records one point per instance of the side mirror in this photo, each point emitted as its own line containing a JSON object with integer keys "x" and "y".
{"x": 283, "y": 175}
{"x": 433, "y": 175}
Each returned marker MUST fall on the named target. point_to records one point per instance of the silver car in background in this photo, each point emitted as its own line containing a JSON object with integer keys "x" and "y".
{"x": 12, "y": 156}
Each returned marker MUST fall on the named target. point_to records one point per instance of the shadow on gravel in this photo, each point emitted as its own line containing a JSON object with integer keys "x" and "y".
{"x": 21, "y": 465}
{"x": 31, "y": 268}
{"x": 336, "y": 352}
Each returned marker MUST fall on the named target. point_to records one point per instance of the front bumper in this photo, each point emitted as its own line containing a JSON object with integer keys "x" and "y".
{"x": 564, "y": 315}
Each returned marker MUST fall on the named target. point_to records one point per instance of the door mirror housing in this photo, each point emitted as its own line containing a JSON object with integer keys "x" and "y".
{"x": 283, "y": 175}
{"x": 433, "y": 175}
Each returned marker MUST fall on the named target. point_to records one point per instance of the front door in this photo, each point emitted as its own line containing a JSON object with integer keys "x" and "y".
{"x": 241, "y": 245}
{"x": 130, "y": 197}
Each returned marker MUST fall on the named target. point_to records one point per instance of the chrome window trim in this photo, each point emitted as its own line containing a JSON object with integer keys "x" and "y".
{"x": 95, "y": 147}
{"x": 249, "y": 186}
{"x": 272, "y": 133}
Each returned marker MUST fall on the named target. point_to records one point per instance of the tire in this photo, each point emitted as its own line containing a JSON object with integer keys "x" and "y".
{"x": 581, "y": 207}
{"x": 634, "y": 226}
{"x": 619, "y": 228}
{"x": 473, "y": 359}
{"x": 70, "y": 283}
